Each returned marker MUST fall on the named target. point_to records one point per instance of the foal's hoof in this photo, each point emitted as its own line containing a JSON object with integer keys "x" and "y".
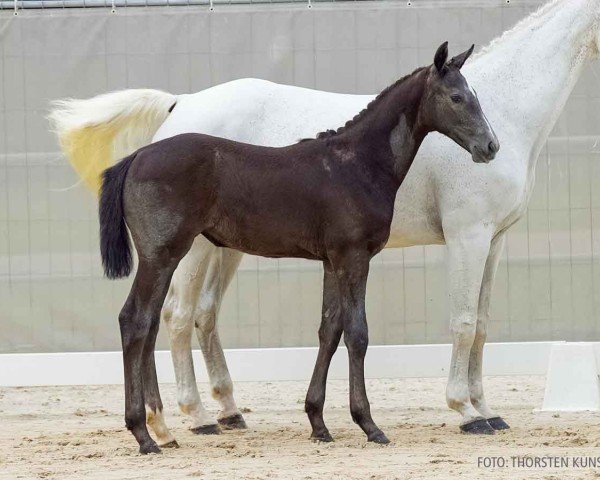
{"x": 479, "y": 427}
{"x": 497, "y": 423}
{"x": 321, "y": 437}
{"x": 171, "y": 444}
{"x": 149, "y": 448}
{"x": 206, "y": 430}
{"x": 378, "y": 437}
{"x": 235, "y": 422}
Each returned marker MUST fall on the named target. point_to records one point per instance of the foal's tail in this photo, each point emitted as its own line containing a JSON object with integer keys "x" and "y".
{"x": 115, "y": 246}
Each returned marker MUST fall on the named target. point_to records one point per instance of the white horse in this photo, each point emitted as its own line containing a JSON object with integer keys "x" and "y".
{"x": 523, "y": 80}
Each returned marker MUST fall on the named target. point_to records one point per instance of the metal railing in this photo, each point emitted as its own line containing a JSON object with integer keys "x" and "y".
{"x": 17, "y": 5}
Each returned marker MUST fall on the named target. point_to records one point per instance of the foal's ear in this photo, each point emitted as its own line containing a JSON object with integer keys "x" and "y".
{"x": 460, "y": 60}
{"x": 440, "y": 57}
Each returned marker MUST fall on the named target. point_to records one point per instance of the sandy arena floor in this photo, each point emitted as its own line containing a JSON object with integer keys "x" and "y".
{"x": 78, "y": 433}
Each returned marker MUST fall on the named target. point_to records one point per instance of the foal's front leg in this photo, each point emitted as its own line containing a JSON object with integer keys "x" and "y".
{"x": 330, "y": 332}
{"x": 352, "y": 270}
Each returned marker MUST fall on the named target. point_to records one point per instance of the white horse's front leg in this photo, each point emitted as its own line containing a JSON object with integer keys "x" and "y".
{"x": 468, "y": 251}
{"x": 178, "y": 315}
{"x": 221, "y": 269}
{"x": 483, "y": 316}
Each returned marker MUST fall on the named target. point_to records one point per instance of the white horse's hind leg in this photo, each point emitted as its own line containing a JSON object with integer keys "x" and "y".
{"x": 221, "y": 269}
{"x": 178, "y": 315}
{"x": 483, "y": 316}
{"x": 468, "y": 251}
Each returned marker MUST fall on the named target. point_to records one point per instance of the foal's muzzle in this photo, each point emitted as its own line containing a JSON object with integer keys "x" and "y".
{"x": 486, "y": 153}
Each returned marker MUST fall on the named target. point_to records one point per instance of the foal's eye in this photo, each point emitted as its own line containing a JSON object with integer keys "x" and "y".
{"x": 456, "y": 98}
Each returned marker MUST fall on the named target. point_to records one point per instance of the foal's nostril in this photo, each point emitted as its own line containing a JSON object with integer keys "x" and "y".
{"x": 492, "y": 148}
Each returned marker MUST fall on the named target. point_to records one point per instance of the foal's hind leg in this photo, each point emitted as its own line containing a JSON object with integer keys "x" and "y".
{"x": 138, "y": 319}
{"x": 330, "y": 332}
{"x": 351, "y": 270}
{"x": 154, "y": 406}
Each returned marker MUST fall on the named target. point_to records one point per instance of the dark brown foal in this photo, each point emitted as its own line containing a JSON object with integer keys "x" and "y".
{"x": 329, "y": 199}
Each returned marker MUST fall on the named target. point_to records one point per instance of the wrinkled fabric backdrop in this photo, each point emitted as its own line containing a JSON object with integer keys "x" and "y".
{"x": 52, "y": 294}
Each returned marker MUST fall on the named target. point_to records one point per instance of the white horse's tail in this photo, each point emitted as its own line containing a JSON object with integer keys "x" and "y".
{"x": 97, "y": 132}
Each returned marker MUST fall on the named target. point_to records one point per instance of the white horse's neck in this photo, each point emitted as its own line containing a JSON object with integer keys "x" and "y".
{"x": 531, "y": 70}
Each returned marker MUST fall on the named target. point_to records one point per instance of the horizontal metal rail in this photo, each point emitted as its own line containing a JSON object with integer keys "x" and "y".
{"x": 43, "y": 4}
{"x": 17, "y": 5}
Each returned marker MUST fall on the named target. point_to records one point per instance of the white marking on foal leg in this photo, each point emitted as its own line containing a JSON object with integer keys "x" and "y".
{"x": 156, "y": 421}
{"x": 467, "y": 253}
{"x": 483, "y": 315}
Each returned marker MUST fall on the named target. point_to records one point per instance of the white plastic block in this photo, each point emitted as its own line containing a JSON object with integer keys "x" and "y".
{"x": 572, "y": 383}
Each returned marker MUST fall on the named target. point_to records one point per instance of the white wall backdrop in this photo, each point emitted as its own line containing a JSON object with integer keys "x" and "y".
{"x": 52, "y": 294}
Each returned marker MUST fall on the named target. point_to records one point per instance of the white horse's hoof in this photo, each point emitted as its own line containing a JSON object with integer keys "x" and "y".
{"x": 206, "y": 430}
{"x": 479, "y": 426}
{"x": 235, "y": 422}
{"x": 497, "y": 423}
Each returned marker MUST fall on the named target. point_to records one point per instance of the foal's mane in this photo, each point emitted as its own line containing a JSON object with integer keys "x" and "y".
{"x": 372, "y": 104}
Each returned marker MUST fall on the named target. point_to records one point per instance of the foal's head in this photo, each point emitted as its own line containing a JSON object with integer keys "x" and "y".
{"x": 451, "y": 107}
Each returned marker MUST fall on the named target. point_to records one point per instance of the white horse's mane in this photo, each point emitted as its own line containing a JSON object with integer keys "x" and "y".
{"x": 527, "y": 22}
